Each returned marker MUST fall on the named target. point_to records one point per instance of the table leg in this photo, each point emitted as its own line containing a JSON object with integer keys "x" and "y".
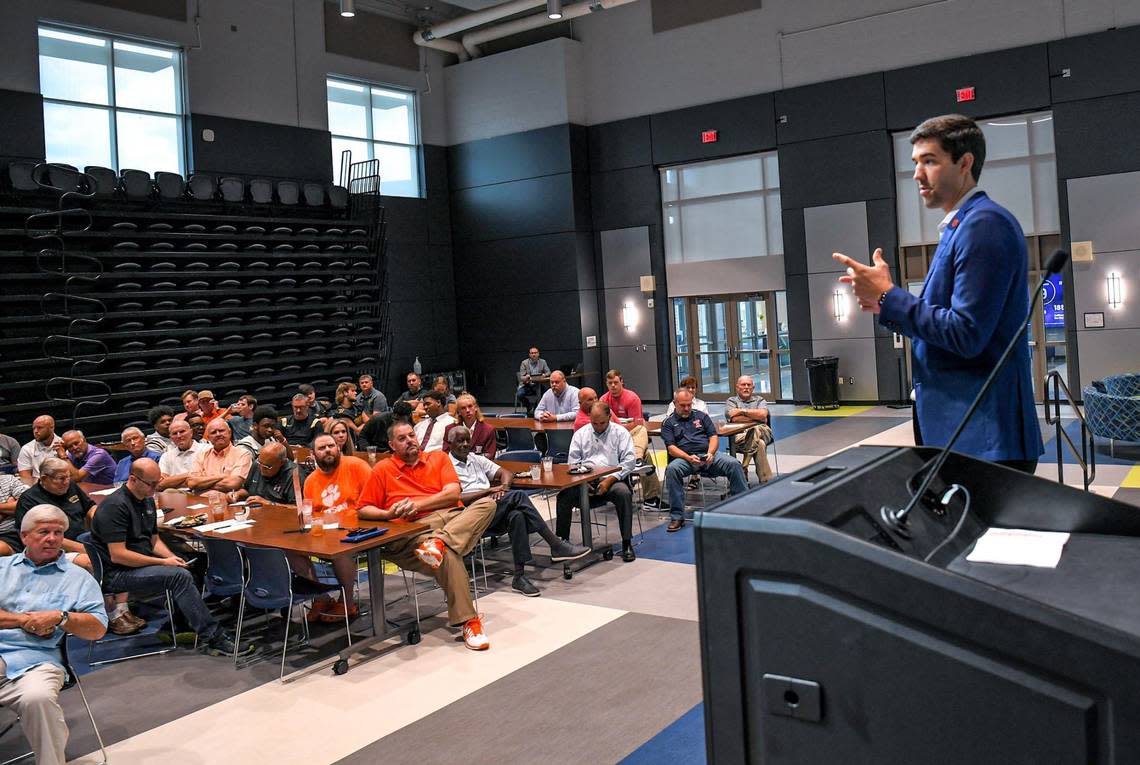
{"x": 584, "y": 507}
{"x": 376, "y": 592}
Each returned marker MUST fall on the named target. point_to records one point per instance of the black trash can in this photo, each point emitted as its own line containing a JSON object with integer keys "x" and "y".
{"x": 823, "y": 379}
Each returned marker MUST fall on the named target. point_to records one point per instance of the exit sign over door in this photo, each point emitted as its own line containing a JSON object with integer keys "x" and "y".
{"x": 964, "y": 94}
{"x": 709, "y": 136}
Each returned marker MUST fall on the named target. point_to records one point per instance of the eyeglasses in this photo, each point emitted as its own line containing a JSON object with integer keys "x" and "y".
{"x": 151, "y": 484}
{"x": 264, "y": 466}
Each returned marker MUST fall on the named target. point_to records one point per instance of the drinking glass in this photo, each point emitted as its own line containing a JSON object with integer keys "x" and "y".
{"x": 547, "y": 464}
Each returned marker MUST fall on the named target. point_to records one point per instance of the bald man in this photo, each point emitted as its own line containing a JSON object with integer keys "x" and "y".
{"x": 45, "y": 443}
{"x": 270, "y": 479}
{"x": 560, "y": 403}
{"x": 586, "y": 399}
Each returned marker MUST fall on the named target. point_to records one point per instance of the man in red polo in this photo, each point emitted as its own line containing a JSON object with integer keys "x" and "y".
{"x": 423, "y": 487}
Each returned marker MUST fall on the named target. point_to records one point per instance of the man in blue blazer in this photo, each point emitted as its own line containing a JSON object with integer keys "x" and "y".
{"x": 972, "y": 304}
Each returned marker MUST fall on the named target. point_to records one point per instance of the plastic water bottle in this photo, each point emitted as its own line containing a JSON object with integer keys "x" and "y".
{"x": 416, "y": 367}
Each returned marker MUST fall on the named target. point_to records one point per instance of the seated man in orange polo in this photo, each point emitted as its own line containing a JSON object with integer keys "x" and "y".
{"x": 423, "y": 487}
{"x": 223, "y": 467}
{"x": 335, "y": 485}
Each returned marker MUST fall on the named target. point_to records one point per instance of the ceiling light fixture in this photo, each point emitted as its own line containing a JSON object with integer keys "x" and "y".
{"x": 348, "y": 8}
{"x": 554, "y": 9}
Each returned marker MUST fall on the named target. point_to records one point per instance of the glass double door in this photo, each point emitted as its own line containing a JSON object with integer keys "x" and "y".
{"x": 721, "y": 338}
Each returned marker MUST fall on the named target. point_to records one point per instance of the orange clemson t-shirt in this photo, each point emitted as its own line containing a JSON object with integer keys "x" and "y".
{"x": 339, "y": 490}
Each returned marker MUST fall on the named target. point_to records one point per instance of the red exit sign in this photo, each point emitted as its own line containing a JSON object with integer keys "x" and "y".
{"x": 709, "y": 136}
{"x": 964, "y": 94}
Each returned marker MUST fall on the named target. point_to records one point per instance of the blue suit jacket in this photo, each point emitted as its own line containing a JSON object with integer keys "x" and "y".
{"x": 973, "y": 302}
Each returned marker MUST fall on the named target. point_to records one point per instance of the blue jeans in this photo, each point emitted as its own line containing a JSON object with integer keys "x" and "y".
{"x": 153, "y": 579}
{"x": 678, "y": 471}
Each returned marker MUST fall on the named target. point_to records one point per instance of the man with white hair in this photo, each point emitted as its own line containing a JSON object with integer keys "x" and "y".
{"x": 45, "y": 443}
{"x": 135, "y": 442}
{"x": 177, "y": 461}
{"x": 43, "y": 598}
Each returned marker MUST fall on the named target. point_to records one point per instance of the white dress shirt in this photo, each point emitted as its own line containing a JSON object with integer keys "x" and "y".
{"x": 476, "y": 473}
{"x": 174, "y": 461}
{"x": 435, "y": 441}
{"x": 613, "y": 447}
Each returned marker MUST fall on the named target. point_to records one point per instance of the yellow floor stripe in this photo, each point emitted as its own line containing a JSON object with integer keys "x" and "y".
{"x": 843, "y": 411}
{"x": 1132, "y": 480}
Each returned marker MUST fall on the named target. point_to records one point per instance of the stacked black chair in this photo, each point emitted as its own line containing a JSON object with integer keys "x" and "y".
{"x": 232, "y": 189}
{"x": 261, "y": 191}
{"x": 288, "y": 192}
{"x": 106, "y": 180}
{"x": 137, "y": 185}
{"x": 203, "y": 187}
{"x": 170, "y": 185}
{"x": 21, "y": 174}
{"x": 314, "y": 194}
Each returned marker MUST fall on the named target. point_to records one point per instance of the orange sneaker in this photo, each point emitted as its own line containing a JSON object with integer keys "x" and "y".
{"x": 318, "y": 607}
{"x": 474, "y": 637}
{"x": 335, "y": 612}
{"x": 430, "y": 552}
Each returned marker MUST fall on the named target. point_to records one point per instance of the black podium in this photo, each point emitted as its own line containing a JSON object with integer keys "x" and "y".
{"x": 827, "y": 639}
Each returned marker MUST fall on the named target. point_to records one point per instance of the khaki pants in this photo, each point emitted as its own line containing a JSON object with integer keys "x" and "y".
{"x": 751, "y": 447}
{"x": 459, "y": 530}
{"x": 35, "y": 697}
{"x": 650, "y": 484}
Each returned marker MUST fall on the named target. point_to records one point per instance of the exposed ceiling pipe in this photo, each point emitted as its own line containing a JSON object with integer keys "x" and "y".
{"x": 472, "y": 40}
{"x": 433, "y": 37}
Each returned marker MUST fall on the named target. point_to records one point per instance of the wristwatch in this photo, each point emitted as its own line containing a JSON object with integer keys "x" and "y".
{"x": 883, "y": 297}
{"x": 63, "y": 617}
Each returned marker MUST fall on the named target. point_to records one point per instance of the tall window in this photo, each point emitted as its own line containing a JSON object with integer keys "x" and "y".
{"x": 111, "y": 102}
{"x": 377, "y": 122}
{"x": 725, "y": 208}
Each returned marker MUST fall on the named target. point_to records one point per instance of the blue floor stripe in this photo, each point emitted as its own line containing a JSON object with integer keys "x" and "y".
{"x": 683, "y": 741}
{"x": 677, "y": 547}
{"x": 1126, "y": 454}
{"x": 786, "y": 426}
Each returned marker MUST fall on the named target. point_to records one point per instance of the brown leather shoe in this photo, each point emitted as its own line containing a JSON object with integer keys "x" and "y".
{"x": 140, "y": 623}
{"x": 675, "y": 524}
{"x": 121, "y": 625}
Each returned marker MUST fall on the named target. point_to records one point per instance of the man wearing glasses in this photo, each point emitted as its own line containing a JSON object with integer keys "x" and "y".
{"x": 55, "y": 487}
{"x": 124, "y": 533}
{"x": 270, "y": 480}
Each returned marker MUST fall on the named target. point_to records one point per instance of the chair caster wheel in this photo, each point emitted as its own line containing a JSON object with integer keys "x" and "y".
{"x": 414, "y": 637}
{"x": 608, "y": 554}
{"x": 340, "y": 666}
{"x": 567, "y": 574}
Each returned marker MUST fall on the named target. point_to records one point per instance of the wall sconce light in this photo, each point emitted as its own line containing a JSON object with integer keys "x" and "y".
{"x": 347, "y": 8}
{"x": 1115, "y": 290}
{"x": 629, "y": 316}
{"x": 839, "y": 308}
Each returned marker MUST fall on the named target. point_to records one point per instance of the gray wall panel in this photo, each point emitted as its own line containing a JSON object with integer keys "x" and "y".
{"x": 1098, "y": 65}
{"x": 856, "y": 360}
{"x": 620, "y": 144}
{"x": 715, "y": 277}
{"x": 1090, "y": 292}
{"x": 1101, "y": 353}
{"x": 638, "y": 369}
{"x": 1106, "y": 211}
{"x": 835, "y": 228}
{"x": 887, "y": 362}
{"x": 534, "y": 153}
{"x": 514, "y": 266}
{"x": 644, "y": 330}
{"x": 851, "y": 105}
{"x": 625, "y": 257}
{"x": 515, "y": 209}
{"x": 821, "y": 301}
{"x": 801, "y": 350}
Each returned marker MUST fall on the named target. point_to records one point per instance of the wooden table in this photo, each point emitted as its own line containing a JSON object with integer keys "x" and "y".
{"x": 527, "y": 423}
{"x": 561, "y": 479}
{"x": 277, "y": 527}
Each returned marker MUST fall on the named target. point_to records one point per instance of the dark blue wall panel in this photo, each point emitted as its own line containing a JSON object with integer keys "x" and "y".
{"x": 744, "y": 125}
{"x": 852, "y": 105}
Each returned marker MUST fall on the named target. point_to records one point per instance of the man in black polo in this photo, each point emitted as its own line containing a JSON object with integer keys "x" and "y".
{"x": 691, "y": 439}
{"x": 55, "y": 487}
{"x": 270, "y": 479}
{"x": 300, "y": 428}
{"x": 124, "y": 533}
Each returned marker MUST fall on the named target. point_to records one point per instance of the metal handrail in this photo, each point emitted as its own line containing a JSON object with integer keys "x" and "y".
{"x": 1086, "y": 458}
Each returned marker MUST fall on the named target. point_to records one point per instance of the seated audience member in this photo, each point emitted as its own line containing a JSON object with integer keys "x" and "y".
{"x": 270, "y": 478}
{"x": 224, "y": 466}
{"x": 208, "y": 406}
{"x": 340, "y": 432}
{"x": 515, "y": 515}
{"x": 335, "y": 486}
{"x": 198, "y": 428}
{"x": 370, "y": 401}
{"x": 441, "y": 385}
{"x": 189, "y": 405}
{"x": 415, "y": 392}
{"x": 240, "y": 417}
{"x": 345, "y": 407}
{"x": 533, "y": 371}
{"x": 430, "y": 429}
{"x": 135, "y": 442}
{"x": 424, "y": 488}
{"x": 264, "y": 430}
{"x": 45, "y": 443}
{"x": 11, "y": 487}
{"x": 375, "y": 431}
{"x": 55, "y": 488}
{"x": 626, "y": 405}
{"x": 159, "y": 418}
{"x": 88, "y": 462}
{"x": 689, "y": 384}
{"x": 691, "y": 440}
{"x": 752, "y": 445}
{"x": 9, "y": 454}
{"x": 586, "y": 399}
{"x": 316, "y": 406}
{"x": 604, "y": 443}
{"x": 560, "y": 403}
{"x": 124, "y": 533}
{"x": 468, "y": 415}
{"x": 302, "y": 425}
{"x": 177, "y": 462}
{"x": 45, "y": 599}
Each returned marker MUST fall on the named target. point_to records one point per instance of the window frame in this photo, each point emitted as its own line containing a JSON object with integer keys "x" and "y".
{"x": 179, "y": 115}
{"x": 370, "y": 140}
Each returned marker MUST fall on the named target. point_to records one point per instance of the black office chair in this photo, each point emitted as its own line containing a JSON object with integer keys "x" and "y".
{"x": 71, "y": 680}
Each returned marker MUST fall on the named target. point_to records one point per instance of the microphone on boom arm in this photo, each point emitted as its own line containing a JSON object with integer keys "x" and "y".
{"x": 896, "y": 519}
